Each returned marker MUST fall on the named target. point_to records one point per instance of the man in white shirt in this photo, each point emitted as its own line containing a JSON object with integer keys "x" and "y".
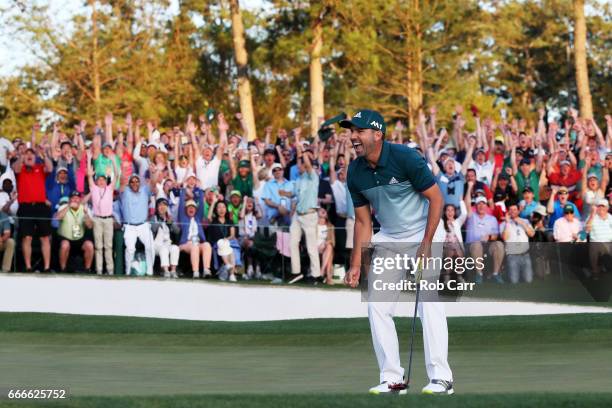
{"x": 338, "y": 186}
{"x": 599, "y": 227}
{"x": 207, "y": 164}
{"x": 8, "y": 197}
{"x": 515, "y": 233}
{"x": 6, "y": 148}
{"x": 482, "y": 166}
{"x": 567, "y": 228}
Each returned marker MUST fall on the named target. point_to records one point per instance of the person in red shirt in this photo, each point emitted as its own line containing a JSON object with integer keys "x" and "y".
{"x": 568, "y": 177}
{"x": 34, "y": 212}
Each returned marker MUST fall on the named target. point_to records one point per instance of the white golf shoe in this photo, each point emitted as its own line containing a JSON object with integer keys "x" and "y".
{"x": 389, "y": 388}
{"x": 439, "y": 387}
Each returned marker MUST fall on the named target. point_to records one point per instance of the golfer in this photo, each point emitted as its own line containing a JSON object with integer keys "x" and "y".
{"x": 396, "y": 183}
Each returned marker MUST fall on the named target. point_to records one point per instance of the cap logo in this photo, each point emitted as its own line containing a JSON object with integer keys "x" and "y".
{"x": 357, "y": 115}
{"x": 376, "y": 124}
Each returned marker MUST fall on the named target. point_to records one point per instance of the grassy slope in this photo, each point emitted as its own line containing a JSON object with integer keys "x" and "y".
{"x": 562, "y": 400}
{"x": 135, "y": 356}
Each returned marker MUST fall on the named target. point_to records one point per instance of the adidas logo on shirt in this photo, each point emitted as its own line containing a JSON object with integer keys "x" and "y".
{"x": 393, "y": 181}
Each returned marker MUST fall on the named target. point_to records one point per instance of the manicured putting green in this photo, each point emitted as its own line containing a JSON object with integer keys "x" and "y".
{"x": 328, "y": 362}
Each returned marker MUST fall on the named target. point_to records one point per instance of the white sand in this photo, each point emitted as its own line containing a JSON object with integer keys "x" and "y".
{"x": 202, "y": 300}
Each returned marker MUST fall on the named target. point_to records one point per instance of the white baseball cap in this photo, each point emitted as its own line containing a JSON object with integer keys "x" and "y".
{"x": 480, "y": 199}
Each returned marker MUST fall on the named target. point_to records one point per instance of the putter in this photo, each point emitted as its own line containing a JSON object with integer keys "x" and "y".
{"x": 418, "y": 276}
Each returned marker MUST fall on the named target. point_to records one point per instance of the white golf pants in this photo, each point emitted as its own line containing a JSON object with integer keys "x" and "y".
{"x": 131, "y": 233}
{"x": 432, "y": 315}
{"x": 308, "y": 224}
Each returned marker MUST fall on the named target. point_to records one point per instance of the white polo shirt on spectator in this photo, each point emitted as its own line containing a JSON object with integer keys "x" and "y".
{"x": 208, "y": 172}
{"x": 601, "y": 229}
{"x": 339, "y": 191}
{"x": 484, "y": 171}
{"x": 564, "y": 231}
{"x": 518, "y": 240}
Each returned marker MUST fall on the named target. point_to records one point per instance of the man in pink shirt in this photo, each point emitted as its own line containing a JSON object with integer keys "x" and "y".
{"x": 101, "y": 190}
{"x": 567, "y": 228}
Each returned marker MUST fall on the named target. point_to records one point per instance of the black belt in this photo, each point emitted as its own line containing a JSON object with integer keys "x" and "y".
{"x": 134, "y": 225}
{"x": 104, "y": 216}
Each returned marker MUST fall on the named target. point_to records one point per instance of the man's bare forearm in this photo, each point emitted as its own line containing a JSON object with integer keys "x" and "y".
{"x": 436, "y": 203}
{"x": 362, "y": 236}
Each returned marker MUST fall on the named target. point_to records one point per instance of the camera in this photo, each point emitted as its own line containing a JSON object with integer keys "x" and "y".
{"x": 326, "y": 131}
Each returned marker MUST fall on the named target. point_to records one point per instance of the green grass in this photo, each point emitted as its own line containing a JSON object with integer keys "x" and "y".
{"x": 118, "y": 361}
{"x": 514, "y": 400}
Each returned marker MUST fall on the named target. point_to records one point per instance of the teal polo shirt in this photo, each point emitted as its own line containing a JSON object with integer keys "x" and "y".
{"x": 393, "y": 189}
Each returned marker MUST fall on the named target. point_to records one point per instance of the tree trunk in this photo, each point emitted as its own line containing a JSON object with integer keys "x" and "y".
{"x": 415, "y": 70}
{"x": 526, "y": 99}
{"x": 95, "y": 66}
{"x": 244, "y": 86}
{"x": 317, "y": 103}
{"x": 580, "y": 59}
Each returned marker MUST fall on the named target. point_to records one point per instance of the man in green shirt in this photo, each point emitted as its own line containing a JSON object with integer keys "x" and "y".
{"x": 75, "y": 232}
{"x": 528, "y": 177}
{"x": 235, "y": 205}
{"x": 103, "y": 163}
{"x": 243, "y": 181}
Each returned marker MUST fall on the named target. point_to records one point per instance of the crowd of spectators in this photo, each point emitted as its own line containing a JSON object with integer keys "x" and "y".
{"x": 205, "y": 201}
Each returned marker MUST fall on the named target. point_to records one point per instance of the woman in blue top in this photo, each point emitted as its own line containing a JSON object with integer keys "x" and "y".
{"x": 193, "y": 240}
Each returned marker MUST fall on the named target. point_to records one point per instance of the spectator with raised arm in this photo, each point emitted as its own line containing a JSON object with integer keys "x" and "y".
{"x": 599, "y": 227}
{"x": 304, "y": 218}
{"x": 135, "y": 208}
{"x": 450, "y": 180}
{"x": 593, "y": 185}
{"x": 101, "y": 189}
{"x": 516, "y": 232}
{"x": 277, "y": 197}
{"x": 207, "y": 163}
{"x": 504, "y": 191}
{"x": 483, "y": 166}
{"x": 193, "y": 239}
{"x": 557, "y": 203}
{"x": 34, "y": 209}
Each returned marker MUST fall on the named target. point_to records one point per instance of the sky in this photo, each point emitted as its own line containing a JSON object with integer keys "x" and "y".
{"x": 13, "y": 53}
